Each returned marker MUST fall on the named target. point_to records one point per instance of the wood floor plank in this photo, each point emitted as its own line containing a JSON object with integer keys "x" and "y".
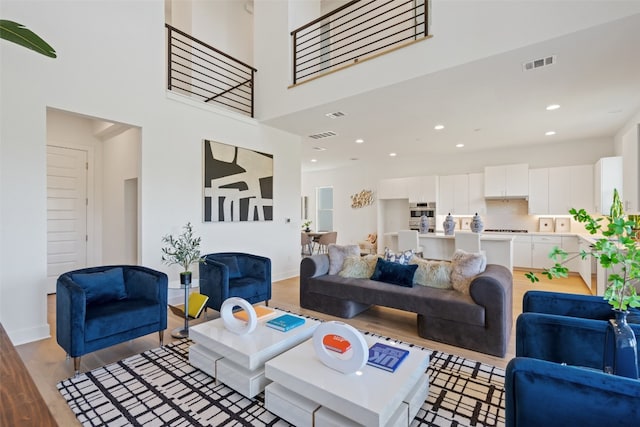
{"x": 47, "y": 365}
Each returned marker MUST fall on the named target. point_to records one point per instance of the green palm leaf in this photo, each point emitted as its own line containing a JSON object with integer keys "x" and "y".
{"x": 19, "y": 34}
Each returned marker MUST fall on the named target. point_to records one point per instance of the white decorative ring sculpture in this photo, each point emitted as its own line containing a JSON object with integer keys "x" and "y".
{"x": 359, "y": 348}
{"x": 232, "y": 323}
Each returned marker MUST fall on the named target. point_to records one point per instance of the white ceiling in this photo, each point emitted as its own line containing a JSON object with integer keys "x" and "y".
{"x": 490, "y": 103}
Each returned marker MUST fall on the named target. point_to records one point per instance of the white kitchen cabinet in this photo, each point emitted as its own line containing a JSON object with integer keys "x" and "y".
{"x": 587, "y": 265}
{"x": 453, "y": 191}
{"x": 560, "y": 191}
{"x": 522, "y": 251}
{"x": 393, "y": 188}
{"x": 506, "y": 181}
{"x": 422, "y": 189}
{"x": 570, "y": 246}
{"x": 539, "y": 191}
{"x": 630, "y": 175}
{"x": 477, "y": 203}
{"x": 541, "y": 247}
{"x": 607, "y": 175}
{"x": 581, "y": 187}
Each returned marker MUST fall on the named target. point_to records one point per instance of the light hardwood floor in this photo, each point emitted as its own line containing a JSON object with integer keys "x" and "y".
{"x": 47, "y": 365}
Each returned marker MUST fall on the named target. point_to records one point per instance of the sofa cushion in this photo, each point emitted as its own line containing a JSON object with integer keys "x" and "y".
{"x": 358, "y": 267}
{"x": 464, "y": 267}
{"x": 400, "y": 257}
{"x": 394, "y": 273}
{"x": 104, "y": 320}
{"x": 337, "y": 255}
{"x": 232, "y": 264}
{"x": 102, "y": 286}
{"x": 436, "y": 274}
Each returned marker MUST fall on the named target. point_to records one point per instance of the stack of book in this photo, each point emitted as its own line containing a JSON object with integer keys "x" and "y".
{"x": 285, "y": 322}
{"x": 386, "y": 357}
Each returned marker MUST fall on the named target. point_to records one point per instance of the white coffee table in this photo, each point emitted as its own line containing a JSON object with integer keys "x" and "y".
{"x": 238, "y": 360}
{"x": 305, "y": 392}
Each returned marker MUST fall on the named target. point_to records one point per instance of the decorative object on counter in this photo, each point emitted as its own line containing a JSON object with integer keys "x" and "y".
{"x": 449, "y": 225}
{"x": 545, "y": 225}
{"x": 476, "y": 224}
{"x": 424, "y": 224}
{"x": 305, "y": 226}
{"x": 618, "y": 251}
{"x": 465, "y": 223}
{"x": 563, "y": 225}
{"x": 362, "y": 199}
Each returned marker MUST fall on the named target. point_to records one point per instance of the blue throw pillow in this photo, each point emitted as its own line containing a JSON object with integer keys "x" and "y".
{"x": 232, "y": 263}
{"x": 102, "y": 286}
{"x": 394, "y": 273}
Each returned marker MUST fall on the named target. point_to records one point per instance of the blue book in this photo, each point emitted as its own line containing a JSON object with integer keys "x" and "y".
{"x": 285, "y": 322}
{"x": 386, "y": 357}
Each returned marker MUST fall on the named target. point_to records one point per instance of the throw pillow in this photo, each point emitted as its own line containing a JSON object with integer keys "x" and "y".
{"x": 394, "y": 273}
{"x": 435, "y": 274}
{"x": 400, "y": 258}
{"x": 337, "y": 255}
{"x": 102, "y": 286}
{"x": 464, "y": 267}
{"x": 357, "y": 267}
{"x": 232, "y": 263}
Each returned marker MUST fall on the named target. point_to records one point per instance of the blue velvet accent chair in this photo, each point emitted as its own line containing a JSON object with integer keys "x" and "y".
{"x": 235, "y": 274}
{"x": 99, "y": 307}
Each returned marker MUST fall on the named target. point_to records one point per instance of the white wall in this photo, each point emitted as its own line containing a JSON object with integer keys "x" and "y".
{"x": 353, "y": 225}
{"x": 457, "y": 39}
{"x": 118, "y": 74}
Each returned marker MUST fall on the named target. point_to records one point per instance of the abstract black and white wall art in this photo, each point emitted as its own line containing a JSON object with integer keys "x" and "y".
{"x": 238, "y": 184}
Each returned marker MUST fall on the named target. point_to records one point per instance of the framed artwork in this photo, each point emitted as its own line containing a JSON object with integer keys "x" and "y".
{"x": 238, "y": 183}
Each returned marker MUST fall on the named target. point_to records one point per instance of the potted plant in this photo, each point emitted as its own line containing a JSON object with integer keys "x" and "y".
{"x": 182, "y": 250}
{"x": 305, "y": 226}
{"x": 616, "y": 250}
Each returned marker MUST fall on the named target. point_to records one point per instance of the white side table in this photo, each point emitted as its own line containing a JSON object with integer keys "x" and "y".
{"x": 175, "y": 284}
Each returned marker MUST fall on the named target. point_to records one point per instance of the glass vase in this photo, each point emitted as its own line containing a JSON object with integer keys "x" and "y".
{"x": 622, "y": 351}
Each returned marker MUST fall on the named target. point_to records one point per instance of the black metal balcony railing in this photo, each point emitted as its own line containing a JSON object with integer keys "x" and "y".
{"x": 201, "y": 71}
{"x": 358, "y": 30}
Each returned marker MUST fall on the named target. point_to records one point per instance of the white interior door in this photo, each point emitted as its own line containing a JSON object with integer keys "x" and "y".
{"x": 66, "y": 212}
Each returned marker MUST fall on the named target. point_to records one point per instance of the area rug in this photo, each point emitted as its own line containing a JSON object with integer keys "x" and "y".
{"x": 160, "y": 388}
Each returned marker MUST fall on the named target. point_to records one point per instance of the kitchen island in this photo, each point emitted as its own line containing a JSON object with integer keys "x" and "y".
{"x": 498, "y": 247}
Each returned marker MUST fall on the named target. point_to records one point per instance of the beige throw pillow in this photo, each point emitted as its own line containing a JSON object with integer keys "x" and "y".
{"x": 337, "y": 255}
{"x": 435, "y": 274}
{"x": 464, "y": 267}
{"x": 357, "y": 267}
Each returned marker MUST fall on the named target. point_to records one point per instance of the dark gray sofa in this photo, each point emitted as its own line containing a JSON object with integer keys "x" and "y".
{"x": 480, "y": 321}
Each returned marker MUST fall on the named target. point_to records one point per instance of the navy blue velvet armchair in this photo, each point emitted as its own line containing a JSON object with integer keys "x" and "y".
{"x": 102, "y": 306}
{"x": 235, "y": 274}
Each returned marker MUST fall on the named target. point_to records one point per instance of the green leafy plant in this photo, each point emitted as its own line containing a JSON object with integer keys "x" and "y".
{"x": 19, "y": 34}
{"x": 306, "y": 224}
{"x": 182, "y": 250}
{"x": 616, "y": 250}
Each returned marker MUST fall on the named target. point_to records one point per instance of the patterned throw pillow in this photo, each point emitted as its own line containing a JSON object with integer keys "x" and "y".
{"x": 435, "y": 274}
{"x": 464, "y": 267}
{"x": 337, "y": 255}
{"x": 357, "y": 267}
{"x": 400, "y": 258}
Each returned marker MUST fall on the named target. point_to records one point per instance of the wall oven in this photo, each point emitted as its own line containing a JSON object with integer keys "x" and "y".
{"x": 417, "y": 210}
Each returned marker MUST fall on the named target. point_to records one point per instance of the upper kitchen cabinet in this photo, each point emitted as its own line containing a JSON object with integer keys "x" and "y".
{"x": 507, "y": 181}
{"x": 393, "y": 188}
{"x": 607, "y": 175}
{"x": 453, "y": 194}
{"x": 630, "y": 174}
{"x": 422, "y": 189}
{"x": 477, "y": 204}
{"x": 553, "y": 191}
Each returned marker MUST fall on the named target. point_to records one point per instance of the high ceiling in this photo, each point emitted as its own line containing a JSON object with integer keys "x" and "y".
{"x": 487, "y": 104}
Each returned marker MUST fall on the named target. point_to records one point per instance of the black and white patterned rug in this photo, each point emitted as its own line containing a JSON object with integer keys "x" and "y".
{"x": 160, "y": 388}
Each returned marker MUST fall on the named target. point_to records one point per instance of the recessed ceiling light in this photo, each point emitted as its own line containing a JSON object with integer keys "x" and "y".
{"x": 459, "y": 145}
{"x": 319, "y": 148}
{"x": 313, "y": 160}
{"x": 550, "y": 133}
{"x": 392, "y": 154}
{"x": 335, "y": 114}
{"x": 552, "y": 107}
{"x": 353, "y": 158}
{"x": 359, "y": 141}
{"x": 438, "y": 127}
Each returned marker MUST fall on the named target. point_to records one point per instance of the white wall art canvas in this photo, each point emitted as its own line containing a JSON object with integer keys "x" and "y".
{"x": 238, "y": 184}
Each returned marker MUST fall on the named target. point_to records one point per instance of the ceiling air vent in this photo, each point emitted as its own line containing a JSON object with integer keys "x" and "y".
{"x": 323, "y": 135}
{"x": 539, "y": 63}
{"x": 335, "y": 115}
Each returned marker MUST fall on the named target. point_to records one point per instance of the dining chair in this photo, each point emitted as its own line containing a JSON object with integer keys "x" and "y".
{"x": 306, "y": 244}
{"x": 409, "y": 240}
{"x": 325, "y": 240}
